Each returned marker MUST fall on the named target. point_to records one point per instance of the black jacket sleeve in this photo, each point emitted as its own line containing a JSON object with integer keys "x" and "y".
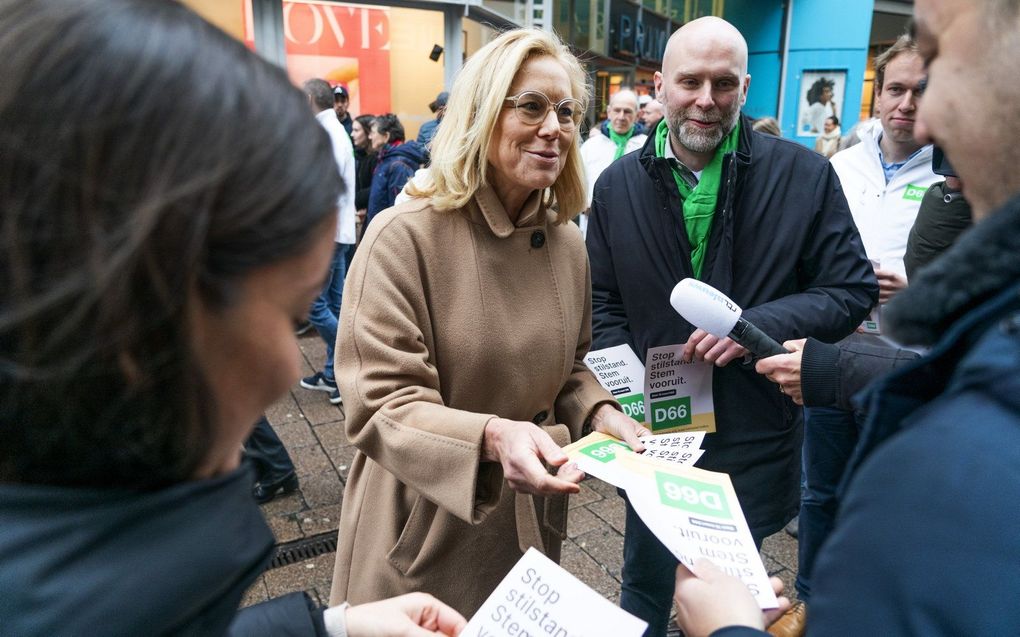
{"x": 609, "y": 326}
{"x": 293, "y": 615}
{"x": 830, "y": 375}
{"x": 936, "y": 227}
{"x": 837, "y": 285}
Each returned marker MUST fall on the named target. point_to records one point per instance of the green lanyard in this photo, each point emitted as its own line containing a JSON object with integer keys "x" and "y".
{"x": 699, "y": 202}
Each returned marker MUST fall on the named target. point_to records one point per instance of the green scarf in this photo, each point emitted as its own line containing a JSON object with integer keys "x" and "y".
{"x": 700, "y": 201}
{"x": 620, "y": 141}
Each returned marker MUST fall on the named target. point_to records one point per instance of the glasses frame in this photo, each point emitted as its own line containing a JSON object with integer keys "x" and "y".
{"x": 550, "y": 105}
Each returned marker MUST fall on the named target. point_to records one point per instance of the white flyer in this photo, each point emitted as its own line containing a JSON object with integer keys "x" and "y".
{"x": 596, "y": 453}
{"x": 678, "y": 394}
{"x": 620, "y": 373}
{"x": 538, "y": 597}
{"x": 695, "y": 513}
{"x": 681, "y": 448}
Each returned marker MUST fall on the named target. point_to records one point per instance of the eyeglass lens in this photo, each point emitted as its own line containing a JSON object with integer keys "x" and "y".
{"x": 532, "y": 109}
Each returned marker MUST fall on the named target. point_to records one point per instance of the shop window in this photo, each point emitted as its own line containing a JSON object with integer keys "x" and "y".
{"x": 380, "y": 54}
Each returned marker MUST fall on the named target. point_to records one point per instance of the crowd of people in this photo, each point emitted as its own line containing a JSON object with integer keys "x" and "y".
{"x": 158, "y": 254}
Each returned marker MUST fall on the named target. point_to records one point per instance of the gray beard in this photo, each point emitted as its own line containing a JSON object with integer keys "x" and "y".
{"x": 697, "y": 140}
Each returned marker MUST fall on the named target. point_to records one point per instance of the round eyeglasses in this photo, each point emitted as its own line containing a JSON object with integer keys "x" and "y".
{"x": 532, "y": 107}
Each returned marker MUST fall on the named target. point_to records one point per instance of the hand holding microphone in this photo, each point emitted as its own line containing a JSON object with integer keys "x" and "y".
{"x": 713, "y": 312}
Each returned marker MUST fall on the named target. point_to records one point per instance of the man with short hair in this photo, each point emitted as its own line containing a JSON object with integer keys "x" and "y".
{"x": 620, "y": 134}
{"x": 652, "y": 114}
{"x": 926, "y": 539}
{"x": 325, "y": 309}
{"x": 884, "y": 178}
{"x": 341, "y": 100}
{"x": 761, "y": 219}
{"x": 619, "y": 137}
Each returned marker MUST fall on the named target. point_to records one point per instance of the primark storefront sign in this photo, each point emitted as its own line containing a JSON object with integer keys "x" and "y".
{"x": 637, "y": 34}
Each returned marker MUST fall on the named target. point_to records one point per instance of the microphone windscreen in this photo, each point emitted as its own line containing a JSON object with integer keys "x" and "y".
{"x": 704, "y": 306}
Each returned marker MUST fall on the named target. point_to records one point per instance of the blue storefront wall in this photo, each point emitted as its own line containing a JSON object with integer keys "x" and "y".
{"x": 824, "y": 36}
{"x": 761, "y": 23}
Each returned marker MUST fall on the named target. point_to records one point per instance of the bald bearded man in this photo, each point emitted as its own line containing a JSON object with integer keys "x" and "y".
{"x": 760, "y": 218}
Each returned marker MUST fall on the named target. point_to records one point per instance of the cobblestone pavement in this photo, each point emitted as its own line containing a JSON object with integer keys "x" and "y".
{"x": 312, "y": 430}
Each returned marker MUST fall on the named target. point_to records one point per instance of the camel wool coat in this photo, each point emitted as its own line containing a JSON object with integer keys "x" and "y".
{"x": 451, "y": 318}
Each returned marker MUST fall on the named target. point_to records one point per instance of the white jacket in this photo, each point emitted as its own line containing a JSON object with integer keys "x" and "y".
{"x": 884, "y": 213}
{"x": 597, "y": 153}
{"x": 343, "y": 153}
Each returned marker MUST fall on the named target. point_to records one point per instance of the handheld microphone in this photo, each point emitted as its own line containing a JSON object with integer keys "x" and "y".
{"x": 707, "y": 308}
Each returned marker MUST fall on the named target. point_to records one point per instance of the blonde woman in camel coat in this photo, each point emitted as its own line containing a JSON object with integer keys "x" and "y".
{"x": 465, "y": 320}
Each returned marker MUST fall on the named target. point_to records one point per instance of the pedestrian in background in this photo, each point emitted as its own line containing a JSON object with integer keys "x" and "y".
{"x": 326, "y": 308}
{"x": 396, "y": 162}
{"x": 365, "y": 159}
{"x": 428, "y": 129}
{"x": 827, "y": 144}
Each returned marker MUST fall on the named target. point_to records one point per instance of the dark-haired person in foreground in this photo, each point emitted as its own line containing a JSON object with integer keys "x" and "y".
{"x": 925, "y": 541}
{"x": 156, "y": 257}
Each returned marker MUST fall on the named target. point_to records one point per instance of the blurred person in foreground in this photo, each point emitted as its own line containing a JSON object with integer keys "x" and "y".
{"x": 151, "y": 279}
{"x": 462, "y": 344}
{"x": 925, "y": 539}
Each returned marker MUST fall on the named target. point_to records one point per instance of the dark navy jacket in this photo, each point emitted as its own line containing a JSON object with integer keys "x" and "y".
{"x": 783, "y": 246}
{"x": 926, "y": 540}
{"x": 118, "y": 563}
{"x": 396, "y": 165}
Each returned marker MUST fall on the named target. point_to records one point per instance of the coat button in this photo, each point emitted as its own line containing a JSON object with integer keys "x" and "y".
{"x": 540, "y": 417}
{"x": 537, "y": 239}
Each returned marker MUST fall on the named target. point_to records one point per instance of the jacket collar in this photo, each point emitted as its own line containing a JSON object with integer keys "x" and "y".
{"x": 871, "y": 132}
{"x": 201, "y": 542}
{"x": 981, "y": 264}
{"x": 486, "y": 208}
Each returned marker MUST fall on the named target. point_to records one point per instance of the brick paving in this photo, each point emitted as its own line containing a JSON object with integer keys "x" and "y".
{"x": 312, "y": 430}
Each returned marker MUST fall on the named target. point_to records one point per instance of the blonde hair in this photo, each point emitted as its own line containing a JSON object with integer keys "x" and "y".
{"x": 460, "y": 148}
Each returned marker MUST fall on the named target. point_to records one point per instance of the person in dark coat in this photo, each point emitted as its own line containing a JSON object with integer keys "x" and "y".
{"x": 925, "y": 541}
{"x": 429, "y": 128}
{"x": 781, "y": 243}
{"x": 397, "y": 161}
{"x": 150, "y": 282}
{"x": 943, "y": 215}
{"x": 817, "y": 374}
{"x": 365, "y": 159}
